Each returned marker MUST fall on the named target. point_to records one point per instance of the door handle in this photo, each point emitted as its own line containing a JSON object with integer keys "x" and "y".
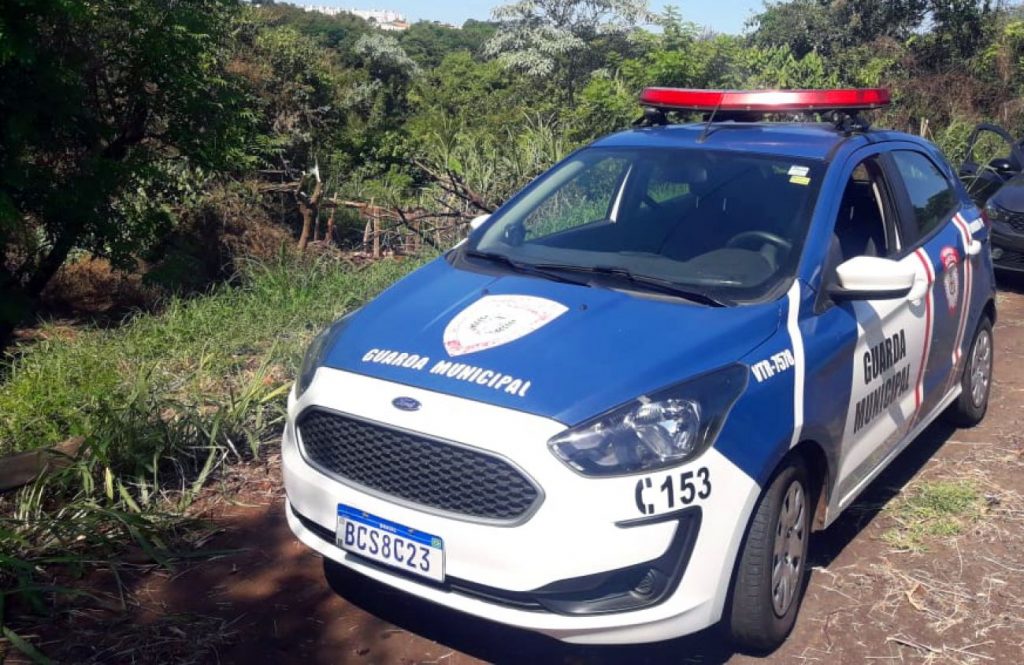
{"x": 919, "y": 289}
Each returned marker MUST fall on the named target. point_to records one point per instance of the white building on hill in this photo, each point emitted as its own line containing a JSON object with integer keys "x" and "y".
{"x": 385, "y": 19}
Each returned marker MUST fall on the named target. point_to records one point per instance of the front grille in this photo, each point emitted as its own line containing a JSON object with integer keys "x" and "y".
{"x": 416, "y": 469}
{"x": 1015, "y": 220}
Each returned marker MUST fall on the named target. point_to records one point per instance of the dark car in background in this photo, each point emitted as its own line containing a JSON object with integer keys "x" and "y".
{"x": 998, "y": 189}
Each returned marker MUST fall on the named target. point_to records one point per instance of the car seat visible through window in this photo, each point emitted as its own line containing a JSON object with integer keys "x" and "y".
{"x": 860, "y": 229}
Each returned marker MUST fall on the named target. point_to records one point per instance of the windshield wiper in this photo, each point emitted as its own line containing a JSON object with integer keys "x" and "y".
{"x": 651, "y": 283}
{"x": 524, "y": 268}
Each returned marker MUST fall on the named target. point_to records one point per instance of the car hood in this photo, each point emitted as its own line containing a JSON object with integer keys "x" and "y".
{"x": 1011, "y": 195}
{"x": 553, "y": 349}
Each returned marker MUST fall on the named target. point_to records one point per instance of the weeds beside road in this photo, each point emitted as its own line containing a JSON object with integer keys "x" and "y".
{"x": 160, "y": 403}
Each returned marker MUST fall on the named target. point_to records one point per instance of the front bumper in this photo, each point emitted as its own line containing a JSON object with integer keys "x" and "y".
{"x": 1007, "y": 247}
{"x": 584, "y": 528}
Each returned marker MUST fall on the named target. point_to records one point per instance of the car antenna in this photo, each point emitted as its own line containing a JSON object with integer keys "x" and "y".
{"x": 711, "y": 119}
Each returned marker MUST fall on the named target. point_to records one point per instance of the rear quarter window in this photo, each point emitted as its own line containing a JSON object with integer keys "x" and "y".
{"x": 931, "y": 195}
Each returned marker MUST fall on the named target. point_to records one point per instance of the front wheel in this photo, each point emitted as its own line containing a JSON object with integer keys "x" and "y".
{"x": 771, "y": 570}
{"x": 976, "y": 381}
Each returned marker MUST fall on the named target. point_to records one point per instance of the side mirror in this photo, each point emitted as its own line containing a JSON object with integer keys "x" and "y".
{"x": 1002, "y": 166}
{"x": 873, "y": 278}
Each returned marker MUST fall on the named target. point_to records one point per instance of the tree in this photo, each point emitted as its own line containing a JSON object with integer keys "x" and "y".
{"x": 677, "y": 34}
{"x": 95, "y": 97}
{"x": 563, "y": 40}
{"x": 960, "y": 29}
{"x": 295, "y": 90}
{"x": 390, "y": 70}
{"x": 339, "y": 31}
{"x": 384, "y": 58}
{"x": 829, "y": 26}
{"x": 428, "y": 43}
{"x": 804, "y": 26}
{"x": 477, "y": 33}
{"x": 477, "y": 135}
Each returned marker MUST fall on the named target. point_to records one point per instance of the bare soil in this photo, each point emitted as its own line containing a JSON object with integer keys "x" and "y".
{"x": 264, "y": 598}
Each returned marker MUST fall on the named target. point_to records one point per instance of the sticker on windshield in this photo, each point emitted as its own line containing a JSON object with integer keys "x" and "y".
{"x": 496, "y": 320}
{"x": 799, "y": 171}
{"x": 800, "y": 180}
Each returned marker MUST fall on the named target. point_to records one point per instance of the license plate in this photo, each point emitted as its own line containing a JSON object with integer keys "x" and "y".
{"x": 390, "y": 543}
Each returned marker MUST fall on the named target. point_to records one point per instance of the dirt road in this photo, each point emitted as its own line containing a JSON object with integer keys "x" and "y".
{"x": 927, "y": 566}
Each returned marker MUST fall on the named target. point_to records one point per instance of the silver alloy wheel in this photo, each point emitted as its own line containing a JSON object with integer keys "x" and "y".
{"x": 788, "y": 552}
{"x": 981, "y": 368}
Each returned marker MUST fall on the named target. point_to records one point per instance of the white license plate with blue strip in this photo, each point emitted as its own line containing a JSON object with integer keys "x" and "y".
{"x": 390, "y": 543}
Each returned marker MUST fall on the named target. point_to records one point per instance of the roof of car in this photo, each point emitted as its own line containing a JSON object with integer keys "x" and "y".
{"x": 797, "y": 139}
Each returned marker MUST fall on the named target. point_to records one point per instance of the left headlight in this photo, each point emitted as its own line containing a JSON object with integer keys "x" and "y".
{"x": 664, "y": 429}
{"x": 317, "y": 352}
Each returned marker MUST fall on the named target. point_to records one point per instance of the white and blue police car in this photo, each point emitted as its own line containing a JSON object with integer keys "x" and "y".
{"x": 616, "y": 413}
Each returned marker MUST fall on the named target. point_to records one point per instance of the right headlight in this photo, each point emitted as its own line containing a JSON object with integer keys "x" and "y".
{"x": 993, "y": 213}
{"x": 317, "y": 353}
{"x": 665, "y": 429}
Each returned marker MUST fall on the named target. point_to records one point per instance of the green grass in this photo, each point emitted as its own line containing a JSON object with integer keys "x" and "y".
{"x": 161, "y": 402}
{"x": 930, "y": 510}
{"x": 191, "y": 358}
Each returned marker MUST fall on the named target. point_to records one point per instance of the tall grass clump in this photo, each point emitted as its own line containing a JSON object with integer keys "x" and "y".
{"x": 158, "y": 403}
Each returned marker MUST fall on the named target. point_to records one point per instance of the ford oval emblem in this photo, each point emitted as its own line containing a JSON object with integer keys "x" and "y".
{"x": 406, "y": 404}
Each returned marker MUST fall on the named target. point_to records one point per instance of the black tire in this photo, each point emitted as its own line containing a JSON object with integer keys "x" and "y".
{"x": 970, "y": 407}
{"x": 753, "y": 622}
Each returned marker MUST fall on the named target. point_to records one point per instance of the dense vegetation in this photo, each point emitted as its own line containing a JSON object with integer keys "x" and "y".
{"x": 176, "y": 141}
{"x": 130, "y": 128}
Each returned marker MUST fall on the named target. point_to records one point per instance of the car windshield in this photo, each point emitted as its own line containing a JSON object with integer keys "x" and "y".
{"x": 715, "y": 226}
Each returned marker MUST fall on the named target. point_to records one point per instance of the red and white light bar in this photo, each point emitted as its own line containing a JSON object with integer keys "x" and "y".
{"x": 765, "y": 101}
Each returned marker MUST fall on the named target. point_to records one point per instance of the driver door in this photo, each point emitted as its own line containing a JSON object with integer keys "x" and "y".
{"x": 891, "y": 334}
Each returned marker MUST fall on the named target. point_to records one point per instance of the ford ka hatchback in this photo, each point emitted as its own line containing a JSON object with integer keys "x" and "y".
{"x": 616, "y": 413}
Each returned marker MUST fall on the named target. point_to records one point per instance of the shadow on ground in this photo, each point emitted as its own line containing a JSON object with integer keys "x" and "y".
{"x": 268, "y": 596}
{"x": 497, "y": 643}
{"x": 1010, "y": 281}
{"x": 827, "y": 545}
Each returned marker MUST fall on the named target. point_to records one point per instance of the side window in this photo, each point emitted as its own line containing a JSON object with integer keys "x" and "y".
{"x": 592, "y": 195}
{"x": 860, "y": 228}
{"x": 930, "y": 193}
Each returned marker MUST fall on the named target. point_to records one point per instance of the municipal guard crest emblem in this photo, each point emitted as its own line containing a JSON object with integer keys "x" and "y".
{"x": 496, "y": 320}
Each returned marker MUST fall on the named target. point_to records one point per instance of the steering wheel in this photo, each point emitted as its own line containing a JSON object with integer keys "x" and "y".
{"x": 747, "y": 238}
